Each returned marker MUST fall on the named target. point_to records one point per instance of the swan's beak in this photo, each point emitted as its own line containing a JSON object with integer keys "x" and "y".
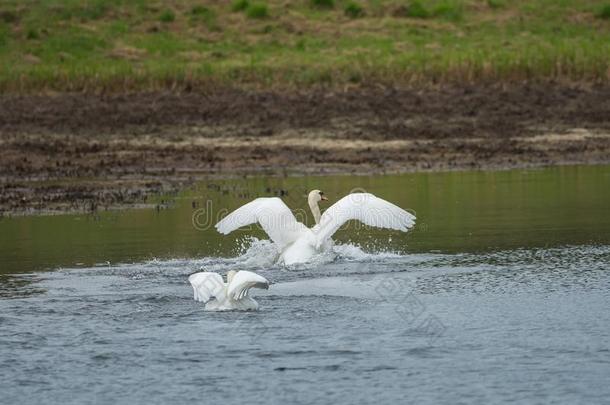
{"x": 323, "y": 198}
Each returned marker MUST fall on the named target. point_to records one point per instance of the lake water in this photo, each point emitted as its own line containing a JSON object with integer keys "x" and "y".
{"x": 500, "y": 294}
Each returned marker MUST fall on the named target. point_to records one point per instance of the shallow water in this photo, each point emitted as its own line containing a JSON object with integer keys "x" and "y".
{"x": 500, "y": 294}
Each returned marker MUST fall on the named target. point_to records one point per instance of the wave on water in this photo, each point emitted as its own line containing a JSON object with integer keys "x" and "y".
{"x": 258, "y": 255}
{"x": 344, "y": 260}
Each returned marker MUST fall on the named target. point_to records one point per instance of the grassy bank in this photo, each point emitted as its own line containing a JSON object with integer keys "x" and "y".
{"x": 119, "y": 45}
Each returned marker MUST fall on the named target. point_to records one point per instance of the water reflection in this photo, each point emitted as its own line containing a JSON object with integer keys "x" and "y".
{"x": 19, "y": 286}
{"x": 500, "y": 294}
{"x": 457, "y": 212}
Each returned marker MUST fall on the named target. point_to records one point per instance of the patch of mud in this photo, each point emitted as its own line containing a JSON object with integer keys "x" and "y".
{"x": 86, "y": 152}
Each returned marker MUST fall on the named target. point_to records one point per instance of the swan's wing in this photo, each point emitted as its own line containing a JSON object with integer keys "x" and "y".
{"x": 364, "y": 207}
{"x": 274, "y": 216}
{"x": 207, "y": 285}
{"x": 243, "y": 281}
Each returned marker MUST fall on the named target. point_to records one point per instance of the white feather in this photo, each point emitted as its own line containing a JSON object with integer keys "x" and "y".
{"x": 272, "y": 214}
{"x": 366, "y": 208}
{"x": 207, "y": 286}
{"x": 243, "y": 281}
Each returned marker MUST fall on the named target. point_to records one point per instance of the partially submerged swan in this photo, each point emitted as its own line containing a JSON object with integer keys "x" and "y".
{"x": 298, "y": 243}
{"x": 232, "y": 295}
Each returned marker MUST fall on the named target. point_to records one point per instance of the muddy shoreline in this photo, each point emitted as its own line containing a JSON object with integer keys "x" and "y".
{"x": 89, "y": 152}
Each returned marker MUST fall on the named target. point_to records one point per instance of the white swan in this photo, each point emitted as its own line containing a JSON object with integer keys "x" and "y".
{"x": 232, "y": 295}
{"x": 296, "y": 242}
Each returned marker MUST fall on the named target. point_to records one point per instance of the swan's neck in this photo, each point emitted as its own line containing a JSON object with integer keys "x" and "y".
{"x": 315, "y": 210}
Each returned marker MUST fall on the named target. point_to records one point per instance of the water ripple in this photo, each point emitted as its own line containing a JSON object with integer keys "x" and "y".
{"x": 387, "y": 324}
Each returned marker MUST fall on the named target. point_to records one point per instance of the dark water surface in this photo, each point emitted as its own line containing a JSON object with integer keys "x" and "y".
{"x": 500, "y": 294}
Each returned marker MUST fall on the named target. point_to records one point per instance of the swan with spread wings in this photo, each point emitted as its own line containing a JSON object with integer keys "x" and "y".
{"x": 296, "y": 242}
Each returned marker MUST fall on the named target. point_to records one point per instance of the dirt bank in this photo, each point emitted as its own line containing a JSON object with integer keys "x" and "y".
{"x": 74, "y": 151}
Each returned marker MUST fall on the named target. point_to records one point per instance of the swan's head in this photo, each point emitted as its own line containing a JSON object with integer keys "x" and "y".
{"x": 230, "y": 275}
{"x": 315, "y": 196}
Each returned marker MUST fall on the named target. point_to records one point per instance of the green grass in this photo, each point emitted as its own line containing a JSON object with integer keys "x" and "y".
{"x": 323, "y": 3}
{"x": 446, "y": 9}
{"x": 32, "y": 34}
{"x": 167, "y": 16}
{"x": 604, "y": 12}
{"x": 8, "y": 16}
{"x": 354, "y": 10}
{"x": 206, "y": 16}
{"x": 257, "y": 11}
{"x": 496, "y": 4}
{"x": 449, "y": 9}
{"x": 124, "y": 45}
{"x": 416, "y": 9}
{"x": 239, "y": 5}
